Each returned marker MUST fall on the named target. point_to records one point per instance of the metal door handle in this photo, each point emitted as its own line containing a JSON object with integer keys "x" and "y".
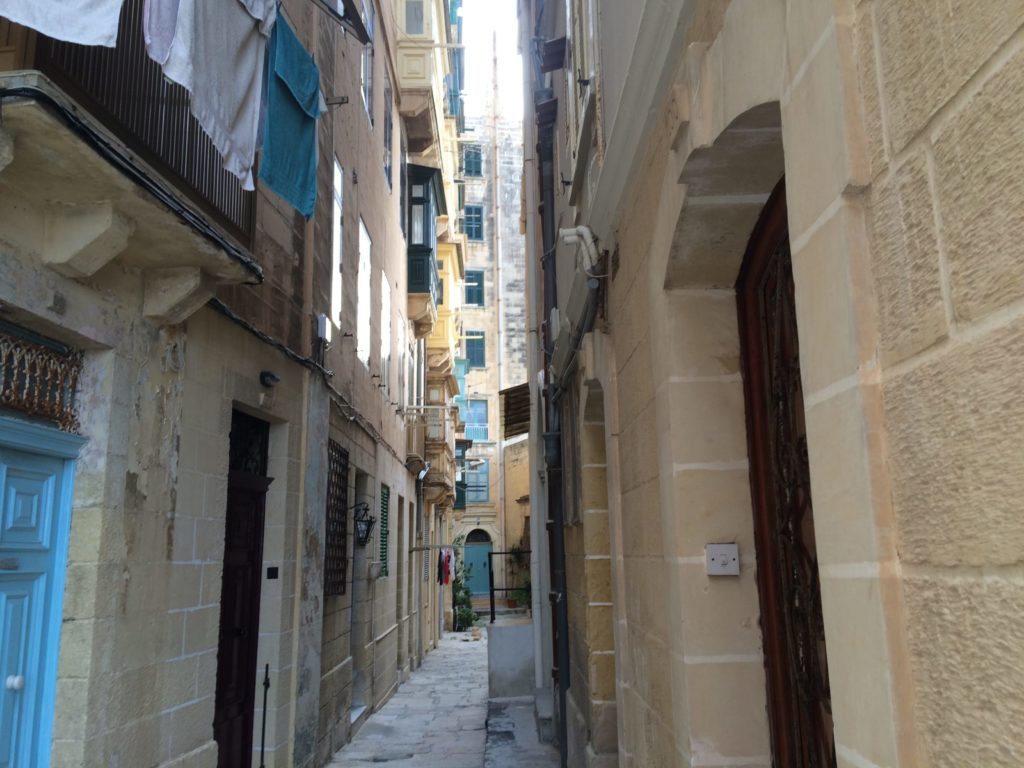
{"x": 15, "y": 682}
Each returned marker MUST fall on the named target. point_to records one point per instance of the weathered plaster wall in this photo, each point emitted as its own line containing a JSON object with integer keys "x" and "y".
{"x": 511, "y": 251}
{"x": 517, "y": 491}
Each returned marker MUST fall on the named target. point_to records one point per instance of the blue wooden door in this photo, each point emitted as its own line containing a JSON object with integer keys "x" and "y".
{"x": 478, "y": 566}
{"x": 35, "y": 505}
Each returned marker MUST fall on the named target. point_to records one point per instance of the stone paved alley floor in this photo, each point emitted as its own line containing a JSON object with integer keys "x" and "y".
{"x": 439, "y": 717}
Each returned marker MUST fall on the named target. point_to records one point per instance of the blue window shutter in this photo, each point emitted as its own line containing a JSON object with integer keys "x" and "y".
{"x": 475, "y": 222}
{"x": 478, "y": 486}
{"x": 475, "y": 351}
{"x": 475, "y": 287}
{"x": 472, "y": 160}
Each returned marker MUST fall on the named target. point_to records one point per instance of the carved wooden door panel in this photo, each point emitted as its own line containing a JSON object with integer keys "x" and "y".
{"x": 799, "y": 703}
{"x": 241, "y": 580}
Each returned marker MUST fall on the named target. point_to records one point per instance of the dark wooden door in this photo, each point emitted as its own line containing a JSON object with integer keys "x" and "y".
{"x": 799, "y": 703}
{"x": 240, "y": 594}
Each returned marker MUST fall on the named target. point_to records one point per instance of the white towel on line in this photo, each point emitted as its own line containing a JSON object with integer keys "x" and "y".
{"x": 159, "y": 19}
{"x": 86, "y": 22}
{"x": 218, "y": 55}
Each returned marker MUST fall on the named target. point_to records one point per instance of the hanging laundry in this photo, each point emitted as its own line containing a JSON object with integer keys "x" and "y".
{"x": 447, "y": 567}
{"x": 86, "y": 22}
{"x": 440, "y": 566}
{"x": 218, "y": 54}
{"x": 288, "y": 164}
{"x": 159, "y": 19}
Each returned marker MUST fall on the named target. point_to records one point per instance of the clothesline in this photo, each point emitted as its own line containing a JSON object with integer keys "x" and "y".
{"x": 425, "y": 547}
{"x": 252, "y": 84}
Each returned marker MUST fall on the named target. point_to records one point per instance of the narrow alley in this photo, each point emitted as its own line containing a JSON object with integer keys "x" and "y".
{"x": 441, "y": 717}
{"x": 491, "y": 383}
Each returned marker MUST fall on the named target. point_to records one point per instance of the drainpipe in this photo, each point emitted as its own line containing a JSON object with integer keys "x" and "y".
{"x": 416, "y": 577}
{"x": 553, "y": 444}
{"x": 535, "y": 367}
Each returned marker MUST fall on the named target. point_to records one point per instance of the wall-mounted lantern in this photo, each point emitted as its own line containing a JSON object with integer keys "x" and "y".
{"x": 364, "y": 523}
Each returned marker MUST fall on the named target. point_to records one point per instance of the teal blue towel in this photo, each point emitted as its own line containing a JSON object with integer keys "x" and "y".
{"x": 288, "y": 164}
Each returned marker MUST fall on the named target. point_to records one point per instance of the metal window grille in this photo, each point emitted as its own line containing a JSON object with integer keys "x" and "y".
{"x": 336, "y": 546}
{"x": 427, "y": 560}
{"x": 39, "y": 377}
{"x": 385, "y": 507}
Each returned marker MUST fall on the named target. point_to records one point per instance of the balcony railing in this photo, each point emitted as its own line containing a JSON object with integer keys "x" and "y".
{"x": 125, "y": 90}
{"x": 423, "y": 276}
{"x": 437, "y": 421}
{"x": 415, "y": 436}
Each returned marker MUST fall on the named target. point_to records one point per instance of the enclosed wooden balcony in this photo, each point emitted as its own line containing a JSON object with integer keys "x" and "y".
{"x": 426, "y": 203}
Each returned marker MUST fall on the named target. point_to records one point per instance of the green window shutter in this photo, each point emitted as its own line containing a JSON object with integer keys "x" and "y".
{"x": 385, "y": 506}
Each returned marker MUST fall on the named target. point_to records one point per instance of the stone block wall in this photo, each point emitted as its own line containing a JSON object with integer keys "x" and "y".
{"x": 943, "y": 211}
{"x": 593, "y": 738}
{"x": 893, "y": 124}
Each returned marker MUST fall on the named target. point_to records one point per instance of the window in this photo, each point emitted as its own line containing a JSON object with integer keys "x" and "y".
{"x": 366, "y": 68}
{"x": 478, "y": 483}
{"x": 475, "y": 222}
{"x": 363, "y": 300}
{"x": 422, "y": 213}
{"x": 476, "y": 420}
{"x": 413, "y": 364}
{"x": 414, "y": 17}
{"x": 385, "y": 334}
{"x": 403, "y": 178}
{"x": 402, "y": 355}
{"x": 382, "y": 527}
{"x": 388, "y": 127}
{"x": 460, "y": 480}
{"x": 475, "y": 349}
{"x": 336, "y": 545}
{"x": 472, "y": 160}
{"x": 338, "y": 228}
{"x": 475, "y": 287}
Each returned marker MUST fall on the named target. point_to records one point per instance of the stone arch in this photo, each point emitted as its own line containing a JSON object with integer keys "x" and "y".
{"x": 478, "y": 536}
{"x": 727, "y": 186}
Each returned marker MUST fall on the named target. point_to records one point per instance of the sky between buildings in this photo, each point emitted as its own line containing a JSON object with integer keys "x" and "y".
{"x": 487, "y": 23}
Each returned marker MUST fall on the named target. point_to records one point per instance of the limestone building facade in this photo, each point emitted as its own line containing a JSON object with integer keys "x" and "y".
{"x": 493, "y": 306}
{"x": 776, "y": 297}
{"x": 229, "y": 394}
